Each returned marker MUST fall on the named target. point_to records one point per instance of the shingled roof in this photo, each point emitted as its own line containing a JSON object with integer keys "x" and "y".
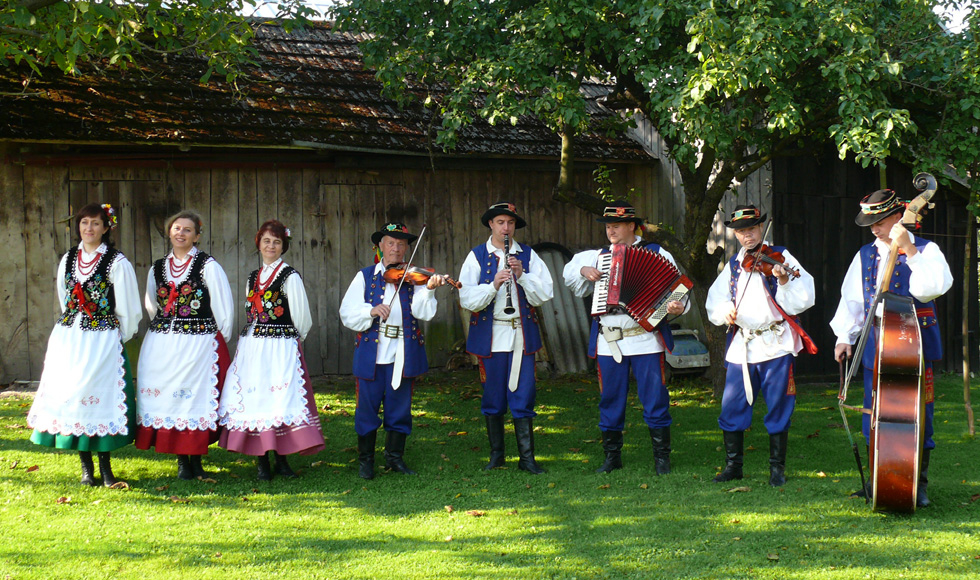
{"x": 308, "y": 90}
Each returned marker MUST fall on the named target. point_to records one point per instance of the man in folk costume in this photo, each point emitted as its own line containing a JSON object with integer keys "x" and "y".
{"x": 502, "y": 291}
{"x": 389, "y": 351}
{"x": 625, "y": 345}
{"x": 921, "y": 271}
{"x": 764, "y": 339}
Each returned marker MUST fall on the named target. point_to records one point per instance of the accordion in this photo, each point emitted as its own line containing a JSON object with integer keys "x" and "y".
{"x": 639, "y": 281}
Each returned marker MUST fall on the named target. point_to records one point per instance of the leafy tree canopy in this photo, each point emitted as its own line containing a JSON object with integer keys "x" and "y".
{"x": 99, "y": 33}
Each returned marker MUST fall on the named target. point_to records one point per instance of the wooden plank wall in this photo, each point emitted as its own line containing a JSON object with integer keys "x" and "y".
{"x": 330, "y": 211}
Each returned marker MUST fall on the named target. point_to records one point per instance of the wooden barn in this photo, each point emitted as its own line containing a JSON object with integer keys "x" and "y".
{"x": 308, "y": 140}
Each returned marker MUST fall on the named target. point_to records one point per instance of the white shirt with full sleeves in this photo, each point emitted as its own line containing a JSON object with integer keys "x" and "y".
{"x": 929, "y": 279}
{"x": 536, "y": 282}
{"x": 81, "y": 387}
{"x": 755, "y": 312}
{"x": 355, "y": 313}
{"x": 178, "y": 373}
{"x": 646, "y": 343}
{"x": 265, "y": 386}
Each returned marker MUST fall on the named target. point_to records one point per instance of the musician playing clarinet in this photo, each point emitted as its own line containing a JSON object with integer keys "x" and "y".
{"x": 503, "y": 282}
{"x": 921, "y": 271}
{"x": 389, "y": 352}
{"x": 764, "y": 339}
{"x": 619, "y": 343}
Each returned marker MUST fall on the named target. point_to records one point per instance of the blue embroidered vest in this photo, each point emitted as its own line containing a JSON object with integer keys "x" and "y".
{"x": 190, "y": 307}
{"x": 479, "y": 341}
{"x": 96, "y": 302}
{"x": 274, "y": 319}
{"x": 366, "y": 343}
{"x": 932, "y": 348}
{"x": 663, "y": 328}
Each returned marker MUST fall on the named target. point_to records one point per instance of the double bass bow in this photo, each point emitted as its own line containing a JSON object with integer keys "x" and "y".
{"x": 897, "y": 412}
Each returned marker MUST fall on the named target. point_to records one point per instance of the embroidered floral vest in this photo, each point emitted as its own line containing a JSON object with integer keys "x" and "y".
{"x": 93, "y": 299}
{"x": 270, "y": 311}
{"x": 184, "y": 308}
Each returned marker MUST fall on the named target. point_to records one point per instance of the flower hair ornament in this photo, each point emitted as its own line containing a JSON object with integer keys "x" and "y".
{"x": 289, "y": 234}
{"x": 111, "y": 212}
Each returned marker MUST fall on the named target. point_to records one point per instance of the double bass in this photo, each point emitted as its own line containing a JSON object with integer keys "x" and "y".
{"x": 898, "y": 409}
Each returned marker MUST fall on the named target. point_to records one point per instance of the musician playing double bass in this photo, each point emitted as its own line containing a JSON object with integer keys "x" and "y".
{"x": 502, "y": 290}
{"x": 618, "y": 344}
{"x": 764, "y": 339}
{"x": 921, "y": 271}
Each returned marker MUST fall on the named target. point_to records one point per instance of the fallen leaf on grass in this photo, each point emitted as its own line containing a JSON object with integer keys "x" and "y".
{"x": 64, "y": 500}
{"x": 814, "y": 434}
{"x": 738, "y": 538}
{"x": 244, "y": 499}
{"x": 176, "y": 499}
{"x": 512, "y": 513}
{"x": 17, "y": 426}
{"x": 750, "y": 448}
{"x": 734, "y": 521}
{"x": 449, "y": 538}
{"x": 162, "y": 488}
{"x": 574, "y": 449}
{"x": 14, "y": 464}
{"x": 826, "y": 408}
{"x": 449, "y": 509}
{"x": 32, "y": 468}
{"x": 119, "y": 485}
{"x": 773, "y": 557}
{"x": 346, "y": 491}
{"x": 604, "y": 486}
{"x": 234, "y": 475}
{"x": 738, "y": 489}
{"x": 207, "y": 480}
{"x": 821, "y": 474}
{"x": 326, "y": 407}
{"x": 551, "y": 485}
{"x": 644, "y": 486}
{"x": 316, "y": 464}
{"x": 476, "y": 513}
{"x": 975, "y": 497}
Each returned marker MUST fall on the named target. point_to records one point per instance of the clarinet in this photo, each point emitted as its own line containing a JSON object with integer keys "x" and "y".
{"x": 509, "y": 307}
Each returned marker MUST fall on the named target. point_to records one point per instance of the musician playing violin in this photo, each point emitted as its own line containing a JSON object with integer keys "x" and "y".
{"x": 389, "y": 352}
{"x": 764, "y": 339}
{"x": 501, "y": 290}
{"x": 921, "y": 271}
{"x": 619, "y": 343}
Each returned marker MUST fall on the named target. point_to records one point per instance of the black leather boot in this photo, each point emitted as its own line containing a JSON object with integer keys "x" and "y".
{"x": 262, "y": 467}
{"x": 395, "y": 452}
{"x": 734, "y": 443}
{"x": 196, "y": 468}
{"x": 184, "y": 470}
{"x": 660, "y": 436}
{"x": 777, "y": 458}
{"x": 105, "y": 469}
{"x": 921, "y": 499}
{"x": 495, "y": 432}
{"x": 524, "y": 429}
{"x": 88, "y": 468}
{"x": 365, "y": 454}
{"x": 282, "y": 466}
{"x": 612, "y": 445}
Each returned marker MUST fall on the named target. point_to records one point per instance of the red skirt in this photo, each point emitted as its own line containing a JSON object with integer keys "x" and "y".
{"x": 187, "y": 441}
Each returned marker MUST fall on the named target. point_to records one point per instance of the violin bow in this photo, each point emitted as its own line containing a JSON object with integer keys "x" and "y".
{"x": 757, "y": 252}
{"x": 408, "y": 265}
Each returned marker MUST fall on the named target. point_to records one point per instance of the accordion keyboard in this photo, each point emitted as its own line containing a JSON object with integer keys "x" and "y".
{"x": 600, "y": 294}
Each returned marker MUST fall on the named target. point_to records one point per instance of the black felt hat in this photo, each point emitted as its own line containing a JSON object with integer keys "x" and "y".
{"x": 395, "y": 230}
{"x": 745, "y": 216}
{"x": 502, "y": 208}
{"x": 877, "y": 206}
{"x": 619, "y": 211}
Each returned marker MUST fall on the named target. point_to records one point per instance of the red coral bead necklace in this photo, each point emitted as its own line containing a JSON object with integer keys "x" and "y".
{"x": 177, "y": 271}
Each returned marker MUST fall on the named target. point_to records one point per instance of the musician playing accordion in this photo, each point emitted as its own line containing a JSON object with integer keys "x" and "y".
{"x": 619, "y": 343}
{"x": 764, "y": 339}
{"x": 921, "y": 272}
{"x": 501, "y": 290}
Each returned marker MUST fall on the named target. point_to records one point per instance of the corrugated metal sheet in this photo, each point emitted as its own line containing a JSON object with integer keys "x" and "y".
{"x": 565, "y": 319}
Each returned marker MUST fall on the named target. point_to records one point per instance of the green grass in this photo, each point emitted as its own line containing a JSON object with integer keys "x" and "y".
{"x": 568, "y": 523}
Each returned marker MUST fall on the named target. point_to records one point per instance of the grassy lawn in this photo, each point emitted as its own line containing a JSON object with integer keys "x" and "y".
{"x": 456, "y": 521}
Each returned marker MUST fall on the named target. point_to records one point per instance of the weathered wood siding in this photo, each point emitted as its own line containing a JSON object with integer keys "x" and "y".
{"x": 331, "y": 211}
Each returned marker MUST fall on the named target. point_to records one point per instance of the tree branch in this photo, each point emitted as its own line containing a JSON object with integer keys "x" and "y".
{"x": 33, "y": 6}
{"x": 19, "y": 31}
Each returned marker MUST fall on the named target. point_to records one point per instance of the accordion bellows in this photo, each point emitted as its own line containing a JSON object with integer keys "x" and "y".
{"x": 639, "y": 281}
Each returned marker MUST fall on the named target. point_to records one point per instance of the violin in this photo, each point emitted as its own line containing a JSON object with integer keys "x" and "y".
{"x": 763, "y": 260}
{"x": 416, "y": 275}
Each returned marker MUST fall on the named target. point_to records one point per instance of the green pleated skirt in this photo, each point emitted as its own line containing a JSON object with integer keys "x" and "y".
{"x": 96, "y": 443}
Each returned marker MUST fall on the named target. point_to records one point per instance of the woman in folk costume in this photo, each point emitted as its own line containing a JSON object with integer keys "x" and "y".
{"x": 267, "y": 403}
{"x": 184, "y": 356}
{"x": 85, "y": 399}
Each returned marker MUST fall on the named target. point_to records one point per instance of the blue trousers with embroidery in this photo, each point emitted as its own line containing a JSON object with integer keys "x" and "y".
{"x": 771, "y": 379}
{"x": 650, "y": 388}
{"x": 866, "y": 418}
{"x": 497, "y": 397}
{"x": 371, "y": 395}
